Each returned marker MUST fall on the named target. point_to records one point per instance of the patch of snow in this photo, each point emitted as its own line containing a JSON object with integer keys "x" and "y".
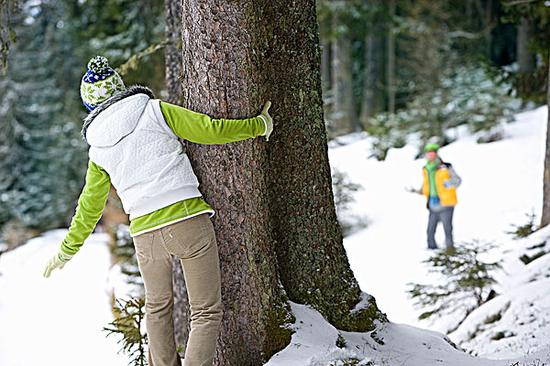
{"x": 41, "y": 319}
{"x": 502, "y": 182}
{"x": 55, "y": 321}
{"x": 314, "y": 344}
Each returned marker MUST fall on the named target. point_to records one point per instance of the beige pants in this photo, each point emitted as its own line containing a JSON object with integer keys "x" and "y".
{"x": 194, "y": 242}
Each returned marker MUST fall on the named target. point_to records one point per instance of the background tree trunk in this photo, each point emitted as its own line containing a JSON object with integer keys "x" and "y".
{"x": 488, "y": 20}
{"x": 275, "y": 217}
{"x": 326, "y": 74}
{"x": 526, "y": 58}
{"x": 371, "y": 92}
{"x": 545, "y": 220}
{"x": 390, "y": 58}
{"x": 343, "y": 117}
{"x": 172, "y": 52}
{"x": 527, "y": 81}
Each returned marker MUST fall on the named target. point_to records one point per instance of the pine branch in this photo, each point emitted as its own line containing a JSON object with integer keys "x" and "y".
{"x": 129, "y": 317}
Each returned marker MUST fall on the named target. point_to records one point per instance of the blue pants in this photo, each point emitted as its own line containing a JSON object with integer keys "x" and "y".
{"x": 445, "y": 215}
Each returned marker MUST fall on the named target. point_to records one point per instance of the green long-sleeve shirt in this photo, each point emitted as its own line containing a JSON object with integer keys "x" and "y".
{"x": 186, "y": 124}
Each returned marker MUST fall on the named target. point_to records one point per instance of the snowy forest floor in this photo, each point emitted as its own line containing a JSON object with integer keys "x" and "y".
{"x": 502, "y": 182}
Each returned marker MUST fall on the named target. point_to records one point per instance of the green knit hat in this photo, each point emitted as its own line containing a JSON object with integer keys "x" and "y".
{"x": 431, "y": 147}
{"x": 99, "y": 83}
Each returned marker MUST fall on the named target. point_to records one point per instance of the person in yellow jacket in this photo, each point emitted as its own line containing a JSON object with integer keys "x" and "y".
{"x": 440, "y": 182}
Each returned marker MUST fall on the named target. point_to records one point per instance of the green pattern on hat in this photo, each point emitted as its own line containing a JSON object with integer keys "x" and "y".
{"x": 100, "y": 82}
{"x": 95, "y": 93}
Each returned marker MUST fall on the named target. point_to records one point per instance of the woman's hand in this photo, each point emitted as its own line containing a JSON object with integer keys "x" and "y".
{"x": 267, "y": 120}
{"x": 57, "y": 261}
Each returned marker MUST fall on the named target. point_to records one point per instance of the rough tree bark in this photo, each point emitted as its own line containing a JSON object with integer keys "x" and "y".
{"x": 275, "y": 218}
{"x": 221, "y": 77}
{"x": 545, "y": 220}
{"x": 172, "y": 56}
{"x": 313, "y": 264}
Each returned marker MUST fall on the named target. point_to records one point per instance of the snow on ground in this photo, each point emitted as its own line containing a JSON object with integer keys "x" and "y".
{"x": 314, "y": 344}
{"x": 56, "y": 321}
{"x": 517, "y": 321}
{"x": 502, "y": 182}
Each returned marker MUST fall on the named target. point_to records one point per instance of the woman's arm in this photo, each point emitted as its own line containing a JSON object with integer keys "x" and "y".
{"x": 201, "y": 129}
{"x": 89, "y": 209}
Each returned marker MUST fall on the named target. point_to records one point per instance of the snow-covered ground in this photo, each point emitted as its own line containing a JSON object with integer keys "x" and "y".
{"x": 314, "y": 344}
{"x": 55, "y": 321}
{"x": 502, "y": 182}
{"x": 59, "y": 320}
{"x": 520, "y": 316}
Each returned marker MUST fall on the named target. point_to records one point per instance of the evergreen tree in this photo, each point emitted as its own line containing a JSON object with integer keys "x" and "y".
{"x": 466, "y": 282}
{"x": 129, "y": 317}
{"x": 46, "y": 152}
{"x": 120, "y": 30}
{"x": 7, "y": 147}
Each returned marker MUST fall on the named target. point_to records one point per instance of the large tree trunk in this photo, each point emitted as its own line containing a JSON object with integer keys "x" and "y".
{"x": 221, "y": 77}
{"x": 308, "y": 240}
{"x": 275, "y": 218}
{"x": 545, "y": 220}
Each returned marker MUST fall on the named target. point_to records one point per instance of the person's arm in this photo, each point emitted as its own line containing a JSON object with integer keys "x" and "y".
{"x": 201, "y": 129}
{"x": 411, "y": 189}
{"x": 455, "y": 178}
{"x": 88, "y": 212}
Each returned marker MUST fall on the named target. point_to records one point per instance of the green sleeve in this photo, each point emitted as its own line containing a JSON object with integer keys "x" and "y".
{"x": 89, "y": 209}
{"x": 201, "y": 129}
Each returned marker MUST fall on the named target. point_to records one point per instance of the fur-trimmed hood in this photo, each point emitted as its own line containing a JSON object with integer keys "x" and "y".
{"x": 128, "y": 110}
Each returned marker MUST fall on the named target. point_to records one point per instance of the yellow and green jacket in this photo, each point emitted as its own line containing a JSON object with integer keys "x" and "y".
{"x": 186, "y": 124}
{"x": 440, "y": 183}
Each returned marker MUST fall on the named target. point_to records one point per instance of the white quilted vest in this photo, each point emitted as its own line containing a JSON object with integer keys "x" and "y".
{"x": 144, "y": 158}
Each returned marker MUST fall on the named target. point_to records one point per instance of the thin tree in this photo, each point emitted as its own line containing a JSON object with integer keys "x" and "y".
{"x": 390, "y": 57}
{"x": 545, "y": 220}
{"x": 372, "y": 99}
{"x": 343, "y": 116}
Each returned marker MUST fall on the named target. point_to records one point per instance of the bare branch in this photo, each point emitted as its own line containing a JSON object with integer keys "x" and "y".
{"x": 518, "y": 2}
